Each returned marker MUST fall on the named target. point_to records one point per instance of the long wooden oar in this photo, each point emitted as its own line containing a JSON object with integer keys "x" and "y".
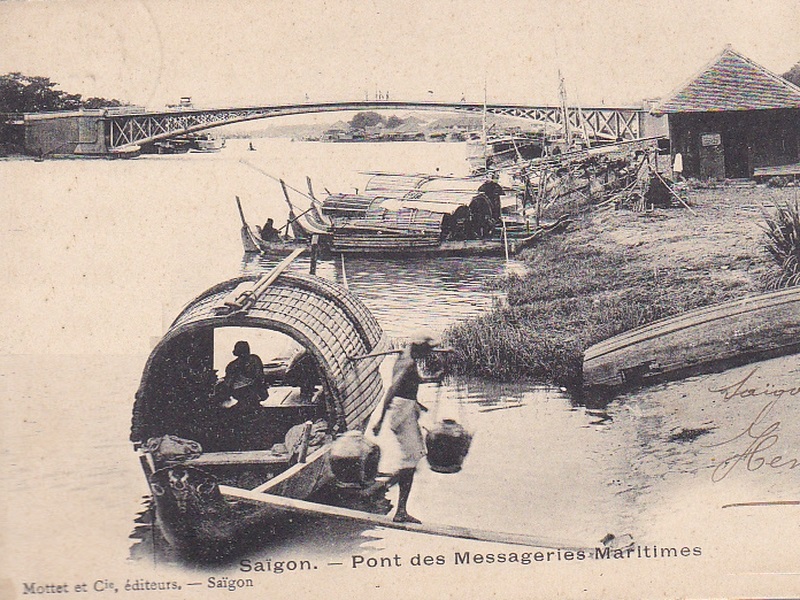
{"x": 469, "y": 533}
{"x": 243, "y": 299}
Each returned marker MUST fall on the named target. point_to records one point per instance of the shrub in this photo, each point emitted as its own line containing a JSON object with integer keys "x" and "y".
{"x": 782, "y": 243}
{"x": 778, "y": 181}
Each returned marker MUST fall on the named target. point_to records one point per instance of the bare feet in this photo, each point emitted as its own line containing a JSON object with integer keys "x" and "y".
{"x": 404, "y": 517}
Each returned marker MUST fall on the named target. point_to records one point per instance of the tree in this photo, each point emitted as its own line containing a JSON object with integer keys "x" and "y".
{"x": 793, "y": 74}
{"x": 22, "y": 93}
{"x": 394, "y": 121}
{"x": 99, "y": 103}
{"x": 363, "y": 120}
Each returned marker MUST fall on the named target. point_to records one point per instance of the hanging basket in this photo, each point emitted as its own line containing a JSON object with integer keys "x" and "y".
{"x": 448, "y": 444}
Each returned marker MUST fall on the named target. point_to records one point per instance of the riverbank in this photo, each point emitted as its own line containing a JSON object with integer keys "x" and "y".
{"x": 616, "y": 270}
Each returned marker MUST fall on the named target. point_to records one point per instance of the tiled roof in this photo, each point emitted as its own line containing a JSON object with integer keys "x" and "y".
{"x": 731, "y": 82}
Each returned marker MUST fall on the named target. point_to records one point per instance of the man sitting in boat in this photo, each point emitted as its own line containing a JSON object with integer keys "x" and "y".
{"x": 268, "y": 233}
{"x": 244, "y": 378}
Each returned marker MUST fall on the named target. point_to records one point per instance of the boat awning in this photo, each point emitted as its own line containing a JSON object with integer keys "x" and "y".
{"x": 394, "y": 185}
{"x": 422, "y": 204}
{"x": 330, "y": 323}
{"x": 388, "y": 185}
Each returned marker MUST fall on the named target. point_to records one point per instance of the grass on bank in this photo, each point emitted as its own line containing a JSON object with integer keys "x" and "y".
{"x": 575, "y": 293}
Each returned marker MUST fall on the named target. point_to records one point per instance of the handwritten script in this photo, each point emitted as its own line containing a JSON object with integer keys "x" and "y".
{"x": 760, "y": 435}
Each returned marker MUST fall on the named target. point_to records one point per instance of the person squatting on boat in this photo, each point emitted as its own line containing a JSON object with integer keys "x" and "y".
{"x": 268, "y": 233}
{"x": 401, "y": 407}
{"x": 244, "y": 378}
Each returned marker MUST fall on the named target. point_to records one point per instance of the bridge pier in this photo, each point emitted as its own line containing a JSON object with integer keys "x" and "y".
{"x": 81, "y": 133}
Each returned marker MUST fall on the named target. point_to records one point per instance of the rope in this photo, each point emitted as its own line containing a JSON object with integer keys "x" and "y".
{"x": 278, "y": 179}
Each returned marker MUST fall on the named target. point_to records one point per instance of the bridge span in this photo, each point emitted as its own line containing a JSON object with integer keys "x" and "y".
{"x": 117, "y": 130}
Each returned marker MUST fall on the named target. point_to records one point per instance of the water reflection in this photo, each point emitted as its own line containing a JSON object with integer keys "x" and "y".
{"x": 526, "y": 439}
{"x": 410, "y": 294}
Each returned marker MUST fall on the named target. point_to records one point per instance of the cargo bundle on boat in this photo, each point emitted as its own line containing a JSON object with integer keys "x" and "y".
{"x": 266, "y": 431}
{"x": 401, "y": 213}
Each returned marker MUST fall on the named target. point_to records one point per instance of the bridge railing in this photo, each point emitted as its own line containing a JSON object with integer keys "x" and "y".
{"x": 613, "y": 124}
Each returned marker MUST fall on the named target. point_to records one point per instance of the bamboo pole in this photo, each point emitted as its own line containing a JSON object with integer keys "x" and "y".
{"x": 395, "y": 351}
{"x": 505, "y": 236}
{"x": 246, "y": 298}
{"x": 671, "y": 191}
{"x": 344, "y": 273}
{"x": 304, "y": 439}
{"x": 469, "y": 533}
{"x": 248, "y": 237}
{"x": 314, "y": 252}
{"x": 241, "y": 212}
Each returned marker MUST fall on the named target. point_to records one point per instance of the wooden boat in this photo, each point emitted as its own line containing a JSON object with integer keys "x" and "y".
{"x": 401, "y": 216}
{"x": 191, "y": 440}
{"x": 704, "y": 340}
{"x": 503, "y": 149}
{"x": 206, "y": 143}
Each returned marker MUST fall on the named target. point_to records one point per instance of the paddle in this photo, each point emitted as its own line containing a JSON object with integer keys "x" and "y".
{"x": 470, "y": 533}
{"x": 245, "y": 298}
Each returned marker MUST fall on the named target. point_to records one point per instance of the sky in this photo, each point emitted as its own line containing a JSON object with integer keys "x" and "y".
{"x": 240, "y": 53}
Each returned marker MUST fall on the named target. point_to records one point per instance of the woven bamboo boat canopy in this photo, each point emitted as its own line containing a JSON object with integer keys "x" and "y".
{"x": 330, "y": 323}
{"x": 391, "y": 185}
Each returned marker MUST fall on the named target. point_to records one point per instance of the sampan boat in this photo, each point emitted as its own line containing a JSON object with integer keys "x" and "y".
{"x": 401, "y": 216}
{"x": 194, "y": 434}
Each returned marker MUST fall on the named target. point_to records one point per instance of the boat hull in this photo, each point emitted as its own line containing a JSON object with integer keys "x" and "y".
{"x": 197, "y": 520}
{"x": 705, "y": 340}
{"x": 447, "y": 248}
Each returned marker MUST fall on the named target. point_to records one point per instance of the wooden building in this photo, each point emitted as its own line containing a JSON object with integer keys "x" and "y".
{"x": 732, "y": 117}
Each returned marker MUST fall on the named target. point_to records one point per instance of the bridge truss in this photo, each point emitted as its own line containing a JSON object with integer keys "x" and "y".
{"x": 612, "y": 124}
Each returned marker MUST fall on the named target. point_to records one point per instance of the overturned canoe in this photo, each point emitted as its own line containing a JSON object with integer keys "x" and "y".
{"x": 704, "y": 340}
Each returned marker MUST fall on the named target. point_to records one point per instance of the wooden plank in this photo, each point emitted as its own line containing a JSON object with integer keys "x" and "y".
{"x": 293, "y": 471}
{"x": 248, "y": 457}
{"x": 246, "y": 297}
{"x": 469, "y": 533}
{"x": 784, "y": 170}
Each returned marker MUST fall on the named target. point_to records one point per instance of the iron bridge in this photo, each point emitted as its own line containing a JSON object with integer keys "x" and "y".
{"x": 131, "y": 129}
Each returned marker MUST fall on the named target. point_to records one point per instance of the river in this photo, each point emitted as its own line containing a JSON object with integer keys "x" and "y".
{"x": 100, "y": 256}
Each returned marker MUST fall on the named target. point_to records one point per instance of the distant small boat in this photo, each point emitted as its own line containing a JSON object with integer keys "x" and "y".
{"x": 502, "y": 149}
{"x": 206, "y": 143}
{"x": 126, "y": 152}
{"x": 704, "y": 340}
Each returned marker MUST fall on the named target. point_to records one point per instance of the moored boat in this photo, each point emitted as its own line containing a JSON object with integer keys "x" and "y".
{"x": 266, "y": 431}
{"x": 497, "y": 150}
{"x": 699, "y": 341}
{"x": 401, "y": 216}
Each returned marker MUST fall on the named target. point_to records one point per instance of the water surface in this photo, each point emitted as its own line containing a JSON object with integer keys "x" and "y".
{"x": 100, "y": 257}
